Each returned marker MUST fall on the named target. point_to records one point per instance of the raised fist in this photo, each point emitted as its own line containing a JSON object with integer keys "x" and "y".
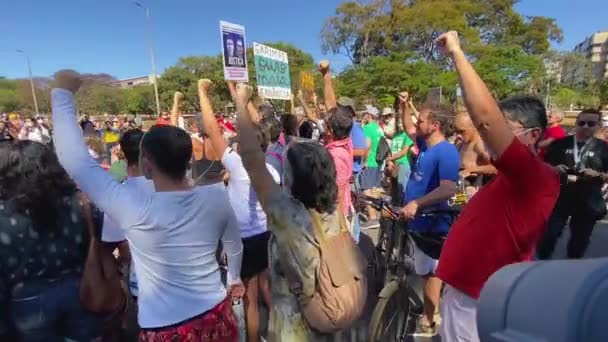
{"x": 204, "y": 85}
{"x": 324, "y": 67}
{"x": 68, "y": 79}
{"x": 243, "y": 92}
{"x": 178, "y": 96}
{"x": 448, "y": 43}
{"x": 404, "y": 97}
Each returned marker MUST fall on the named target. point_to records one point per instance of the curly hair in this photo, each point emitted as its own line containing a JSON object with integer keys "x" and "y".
{"x": 313, "y": 176}
{"x": 32, "y": 180}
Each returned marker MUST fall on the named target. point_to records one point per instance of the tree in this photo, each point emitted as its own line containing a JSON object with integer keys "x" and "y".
{"x": 139, "y": 99}
{"x": 8, "y": 95}
{"x": 383, "y": 77}
{"x": 604, "y": 92}
{"x": 100, "y": 98}
{"x": 380, "y": 27}
{"x": 25, "y": 100}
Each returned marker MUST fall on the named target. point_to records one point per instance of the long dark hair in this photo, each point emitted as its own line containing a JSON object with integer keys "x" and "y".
{"x": 32, "y": 180}
{"x": 313, "y": 176}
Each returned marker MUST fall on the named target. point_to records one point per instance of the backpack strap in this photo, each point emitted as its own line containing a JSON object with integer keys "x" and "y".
{"x": 276, "y": 155}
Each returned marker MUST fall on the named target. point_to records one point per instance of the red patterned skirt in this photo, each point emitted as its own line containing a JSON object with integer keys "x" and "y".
{"x": 218, "y": 324}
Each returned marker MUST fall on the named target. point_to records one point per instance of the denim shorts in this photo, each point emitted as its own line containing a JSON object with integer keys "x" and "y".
{"x": 51, "y": 312}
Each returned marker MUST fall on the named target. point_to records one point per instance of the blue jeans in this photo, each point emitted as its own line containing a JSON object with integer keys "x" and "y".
{"x": 52, "y": 313}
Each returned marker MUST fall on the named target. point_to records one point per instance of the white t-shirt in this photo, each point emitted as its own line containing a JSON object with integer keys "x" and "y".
{"x": 247, "y": 208}
{"x": 173, "y": 236}
{"x": 112, "y": 233}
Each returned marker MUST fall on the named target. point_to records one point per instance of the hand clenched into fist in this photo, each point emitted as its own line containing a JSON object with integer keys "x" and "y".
{"x": 448, "y": 43}
{"x": 404, "y": 97}
{"x": 204, "y": 85}
{"x": 324, "y": 67}
{"x": 178, "y": 96}
{"x": 243, "y": 93}
{"x": 68, "y": 79}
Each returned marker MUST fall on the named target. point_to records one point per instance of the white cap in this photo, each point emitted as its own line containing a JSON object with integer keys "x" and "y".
{"x": 387, "y": 111}
{"x": 371, "y": 110}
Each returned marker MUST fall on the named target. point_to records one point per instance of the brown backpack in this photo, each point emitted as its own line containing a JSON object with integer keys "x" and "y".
{"x": 100, "y": 287}
{"x": 341, "y": 280}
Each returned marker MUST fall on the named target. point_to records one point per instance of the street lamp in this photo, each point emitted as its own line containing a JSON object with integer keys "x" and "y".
{"x": 29, "y": 68}
{"x": 151, "y": 47}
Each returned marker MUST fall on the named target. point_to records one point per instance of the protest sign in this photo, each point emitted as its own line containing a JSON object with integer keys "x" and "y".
{"x": 233, "y": 51}
{"x": 307, "y": 83}
{"x": 272, "y": 72}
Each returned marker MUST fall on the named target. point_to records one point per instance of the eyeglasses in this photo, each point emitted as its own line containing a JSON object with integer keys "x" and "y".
{"x": 586, "y": 123}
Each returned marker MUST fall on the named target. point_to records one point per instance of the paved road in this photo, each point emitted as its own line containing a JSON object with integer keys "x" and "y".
{"x": 597, "y": 249}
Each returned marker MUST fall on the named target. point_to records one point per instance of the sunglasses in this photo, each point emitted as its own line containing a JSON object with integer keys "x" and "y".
{"x": 586, "y": 123}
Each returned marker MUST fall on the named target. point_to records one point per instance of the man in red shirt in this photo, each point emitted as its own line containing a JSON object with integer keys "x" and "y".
{"x": 164, "y": 119}
{"x": 554, "y": 132}
{"x": 504, "y": 221}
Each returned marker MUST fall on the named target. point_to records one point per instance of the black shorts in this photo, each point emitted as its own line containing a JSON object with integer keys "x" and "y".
{"x": 255, "y": 255}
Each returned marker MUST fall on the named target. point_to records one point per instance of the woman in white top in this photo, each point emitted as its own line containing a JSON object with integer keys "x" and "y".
{"x": 173, "y": 233}
{"x": 250, "y": 216}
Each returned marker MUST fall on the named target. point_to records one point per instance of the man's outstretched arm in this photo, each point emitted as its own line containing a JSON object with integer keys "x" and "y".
{"x": 482, "y": 107}
{"x": 175, "y": 112}
{"x": 328, "y": 86}
{"x": 212, "y": 129}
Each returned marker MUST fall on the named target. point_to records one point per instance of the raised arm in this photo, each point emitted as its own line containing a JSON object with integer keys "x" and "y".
{"x": 406, "y": 117}
{"x": 482, "y": 107}
{"x": 175, "y": 112}
{"x": 250, "y": 151}
{"x": 212, "y": 129}
{"x": 328, "y": 87}
{"x": 253, "y": 112}
{"x": 311, "y": 114}
{"x": 233, "y": 246}
{"x": 123, "y": 206}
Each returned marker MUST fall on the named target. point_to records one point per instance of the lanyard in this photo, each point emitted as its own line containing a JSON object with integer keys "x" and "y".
{"x": 577, "y": 153}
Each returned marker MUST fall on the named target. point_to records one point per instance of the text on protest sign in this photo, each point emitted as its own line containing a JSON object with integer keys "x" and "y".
{"x": 272, "y": 72}
{"x": 234, "y": 52}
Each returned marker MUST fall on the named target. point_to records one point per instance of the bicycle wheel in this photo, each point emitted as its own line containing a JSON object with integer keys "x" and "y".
{"x": 391, "y": 319}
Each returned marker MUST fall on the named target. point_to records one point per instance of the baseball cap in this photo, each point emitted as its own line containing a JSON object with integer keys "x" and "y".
{"x": 346, "y": 102}
{"x": 371, "y": 110}
{"x": 387, "y": 111}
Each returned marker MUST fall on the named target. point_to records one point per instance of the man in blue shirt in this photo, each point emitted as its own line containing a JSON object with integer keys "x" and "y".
{"x": 432, "y": 183}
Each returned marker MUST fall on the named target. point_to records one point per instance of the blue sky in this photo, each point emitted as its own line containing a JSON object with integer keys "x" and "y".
{"x": 109, "y": 36}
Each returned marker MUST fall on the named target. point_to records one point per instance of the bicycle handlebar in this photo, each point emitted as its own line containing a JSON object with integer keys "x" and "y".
{"x": 383, "y": 203}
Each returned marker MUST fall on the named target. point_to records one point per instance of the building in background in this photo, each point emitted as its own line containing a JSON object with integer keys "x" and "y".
{"x": 595, "y": 49}
{"x": 133, "y": 82}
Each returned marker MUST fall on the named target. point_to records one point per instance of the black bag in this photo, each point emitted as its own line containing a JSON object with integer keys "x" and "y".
{"x": 383, "y": 151}
{"x": 429, "y": 243}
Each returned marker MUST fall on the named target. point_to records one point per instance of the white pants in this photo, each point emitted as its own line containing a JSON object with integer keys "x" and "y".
{"x": 458, "y": 316}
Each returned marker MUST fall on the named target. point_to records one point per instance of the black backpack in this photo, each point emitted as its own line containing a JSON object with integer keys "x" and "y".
{"x": 383, "y": 151}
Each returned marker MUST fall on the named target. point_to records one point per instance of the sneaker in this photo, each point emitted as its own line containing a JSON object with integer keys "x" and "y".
{"x": 426, "y": 329}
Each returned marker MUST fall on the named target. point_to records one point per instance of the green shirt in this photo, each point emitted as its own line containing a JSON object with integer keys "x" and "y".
{"x": 399, "y": 142}
{"x": 118, "y": 170}
{"x": 373, "y": 132}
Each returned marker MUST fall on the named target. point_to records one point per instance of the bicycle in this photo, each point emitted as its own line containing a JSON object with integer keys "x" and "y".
{"x": 400, "y": 304}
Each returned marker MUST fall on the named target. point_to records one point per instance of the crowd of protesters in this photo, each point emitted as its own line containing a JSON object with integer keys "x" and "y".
{"x": 197, "y": 215}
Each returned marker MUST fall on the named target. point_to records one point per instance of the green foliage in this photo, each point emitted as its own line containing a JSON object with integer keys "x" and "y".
{"x": 8, "y": 95}
{"x": 100, "y": 98}
{"x": 384, "y": 77}
{"x": 139, "y": 99}
{"x": 381, "y": 27}
{"x": 565, "y": 97}
{"x": 603, "y": 95}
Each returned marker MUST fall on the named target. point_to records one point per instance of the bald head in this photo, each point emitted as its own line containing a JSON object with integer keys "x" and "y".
{"x": 464, "y": 127}
{"x": 463, "y": 120}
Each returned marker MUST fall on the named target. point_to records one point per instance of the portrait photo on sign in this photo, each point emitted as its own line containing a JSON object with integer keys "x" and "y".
{"x": 234, "y": 49}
